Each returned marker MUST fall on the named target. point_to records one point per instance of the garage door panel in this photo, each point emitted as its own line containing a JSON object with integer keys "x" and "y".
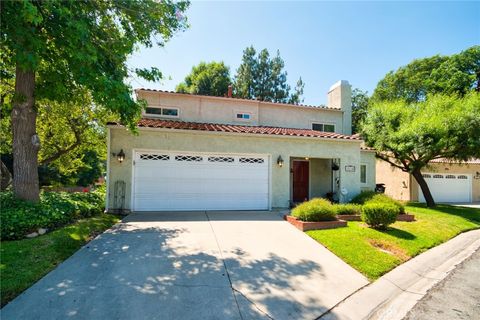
{"x": 447, "y": 187}
{"x": 215, "y": 182}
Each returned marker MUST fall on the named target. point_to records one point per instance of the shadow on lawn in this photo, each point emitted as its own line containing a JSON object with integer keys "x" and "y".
{"x": 398, "y": 233}
{"x": 471, "y": 214}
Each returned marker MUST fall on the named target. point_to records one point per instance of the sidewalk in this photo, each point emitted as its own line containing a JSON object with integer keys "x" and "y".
{"x": 394, "y": 294}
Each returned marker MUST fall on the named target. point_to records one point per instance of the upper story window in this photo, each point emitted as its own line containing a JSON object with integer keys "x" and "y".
{"x": 363, "y": 173}
{"x": 243, "y": 116}
{"x": 162, "y": 112}
{"x": 325, "y": 127}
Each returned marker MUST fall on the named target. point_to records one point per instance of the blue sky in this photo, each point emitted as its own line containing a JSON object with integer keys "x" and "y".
{"x": 320, "y": 41}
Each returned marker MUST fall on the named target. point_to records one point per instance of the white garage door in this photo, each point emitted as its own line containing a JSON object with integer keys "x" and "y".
{"x": 192, "y": 181}
{"x": 446, "y": 187}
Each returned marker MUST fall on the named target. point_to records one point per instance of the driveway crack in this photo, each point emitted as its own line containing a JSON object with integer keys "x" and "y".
{"x": 230, "y": 280}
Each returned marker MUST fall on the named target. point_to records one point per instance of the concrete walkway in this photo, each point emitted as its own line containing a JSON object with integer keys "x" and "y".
{"x": 392, "y": 296}
{"x": 202, "y": 265}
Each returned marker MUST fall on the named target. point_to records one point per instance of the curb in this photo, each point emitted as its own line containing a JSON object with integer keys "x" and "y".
{"x": 397, "y": 292}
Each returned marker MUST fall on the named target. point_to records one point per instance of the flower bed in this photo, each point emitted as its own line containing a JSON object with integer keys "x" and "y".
{"x": 317, "y": 225}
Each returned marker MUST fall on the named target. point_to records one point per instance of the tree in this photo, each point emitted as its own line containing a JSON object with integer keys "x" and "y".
{"x": 457, "y": 74}
{"x": 58, "y": 48}
{"x": 210, "y": 79}
{"x": 410, "y": 135}
{"x": 263, "y": 78}
{"x": 360, "y": 100}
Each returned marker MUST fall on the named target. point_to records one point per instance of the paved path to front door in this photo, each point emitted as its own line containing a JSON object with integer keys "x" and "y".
{"x": 193, "y": 265}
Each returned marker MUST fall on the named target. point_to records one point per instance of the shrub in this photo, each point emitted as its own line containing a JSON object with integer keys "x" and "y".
{"x": 315, "y": 210}
{"x": 379, "y": 215}
{"x": 348, "y": 208}
{"x": 363, "y": 197}
{"x": 54, "y": 209}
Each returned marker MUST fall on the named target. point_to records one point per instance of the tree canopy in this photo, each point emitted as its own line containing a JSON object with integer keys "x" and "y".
{"x": 409, "y": 135}
{"x": 262, "y": 77}
{"x": 57, "y": 49}
{"x": 456, "y": 74}
{"x": 360, "y": 100}
{"x": 210, "y": 79}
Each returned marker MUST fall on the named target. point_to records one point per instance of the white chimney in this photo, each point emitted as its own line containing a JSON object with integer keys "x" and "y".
{"x": 340, "y": 97}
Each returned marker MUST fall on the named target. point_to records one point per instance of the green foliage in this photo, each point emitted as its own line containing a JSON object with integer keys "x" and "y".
{"x": 211, "y": 79}
{"x": 262, "y": 77}
{"x": 363, "y": 197}
{"x": 360, "y": 101}
{"x": 348, "y": 208}
{"x": 379, "y": 215}
{"x": 54, "y": 209}
{"x": 315, "y": 210}
{"x": 450, "y": 75}
{"x": 84, "y": 45}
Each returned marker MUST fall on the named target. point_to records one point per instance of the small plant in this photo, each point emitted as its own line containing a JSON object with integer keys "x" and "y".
{"x": 379, "y": 215}
{"x": 348, "y": 209}
{"x": 315, "y": 210}
{"x": 372, "y": 196}
{"x": 363, "y": 197}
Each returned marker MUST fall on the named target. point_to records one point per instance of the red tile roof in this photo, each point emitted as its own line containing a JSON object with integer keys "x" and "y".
{"x": 241, "y": 99}
{"x": 181, "y": 125}
{"x": 444, "y": 160}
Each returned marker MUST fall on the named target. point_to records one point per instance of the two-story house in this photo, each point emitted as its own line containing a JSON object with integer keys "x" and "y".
{"x": 195, "y": 152}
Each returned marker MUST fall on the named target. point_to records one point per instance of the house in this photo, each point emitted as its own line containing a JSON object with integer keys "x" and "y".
{"x": 195, "y": 152}
{"x": 448, "y": 181}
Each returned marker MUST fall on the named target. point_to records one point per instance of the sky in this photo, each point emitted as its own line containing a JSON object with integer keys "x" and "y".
{"x": 322, "y": 42}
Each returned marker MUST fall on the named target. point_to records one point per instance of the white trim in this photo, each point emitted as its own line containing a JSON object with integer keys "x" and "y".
{"x": 469, "y": 175}
{"x": 366, "y": 173}
{"x": 107, "y": 176}
{"x": 240, "y": 134}
{"x": 135, "y": 151}
{"x": 152, "y": 115}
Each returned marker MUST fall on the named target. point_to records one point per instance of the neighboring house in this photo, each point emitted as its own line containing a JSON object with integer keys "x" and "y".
{"x": 448, "y": 181}
{"x": 196, "y": 152}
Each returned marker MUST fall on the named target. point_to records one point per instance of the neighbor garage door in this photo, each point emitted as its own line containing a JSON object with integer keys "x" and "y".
{"x": 446, "y": 187}
{"x": 192, "y": 181}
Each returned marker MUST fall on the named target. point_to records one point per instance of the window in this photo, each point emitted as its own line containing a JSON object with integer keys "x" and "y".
{"x": 243, "y": 116}
{"x": 363, "y": 173}
{"x": 325, "y": 127}
{"x": 162, "y": 112}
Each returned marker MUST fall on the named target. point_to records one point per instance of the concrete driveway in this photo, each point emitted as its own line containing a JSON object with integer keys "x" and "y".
{"x": 193, "y": 265}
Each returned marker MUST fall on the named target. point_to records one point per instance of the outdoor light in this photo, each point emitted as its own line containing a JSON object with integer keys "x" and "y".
{"x": 121, "y": 156}
{"x": 280, "y": 161}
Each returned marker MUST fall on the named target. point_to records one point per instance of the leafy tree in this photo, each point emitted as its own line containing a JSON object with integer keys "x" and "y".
{"x": 60, "y": 48}
{"x": 410, "y": 135}
{"x": 455, "y": 74}
{"x": 262, "y": 77}
{"x": 210, "y": 79}
{"x": 360, "y": 100}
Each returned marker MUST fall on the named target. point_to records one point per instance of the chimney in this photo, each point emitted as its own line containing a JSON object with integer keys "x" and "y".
{"x": 230, "y": 89}
{"x": 340, "y": 97}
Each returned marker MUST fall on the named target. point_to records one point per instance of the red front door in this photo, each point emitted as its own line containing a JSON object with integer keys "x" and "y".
{"x": 300, "y": 181}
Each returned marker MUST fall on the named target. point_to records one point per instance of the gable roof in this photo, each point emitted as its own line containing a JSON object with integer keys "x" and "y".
{"x": 319, "y": 107}
{"x": 230, "y": 128}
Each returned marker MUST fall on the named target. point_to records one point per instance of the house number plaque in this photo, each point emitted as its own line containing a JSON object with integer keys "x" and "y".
{"x": 350, "y": 168}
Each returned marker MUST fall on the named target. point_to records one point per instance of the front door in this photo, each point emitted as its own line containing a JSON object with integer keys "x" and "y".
{"x": 300, "y": 180}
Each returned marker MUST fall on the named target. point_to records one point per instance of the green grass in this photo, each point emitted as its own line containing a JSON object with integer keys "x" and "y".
{"x": 24, "y": 262}
{"x": 374, "y": 252}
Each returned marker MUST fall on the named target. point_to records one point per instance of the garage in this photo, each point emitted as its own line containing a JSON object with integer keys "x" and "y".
{"x": 181, "y": 181}
{"x": 446, "y": 187}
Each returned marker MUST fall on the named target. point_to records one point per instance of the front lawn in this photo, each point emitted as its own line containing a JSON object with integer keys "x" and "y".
{"x": 24, "y": 262}
{"x": 375, "y": 252}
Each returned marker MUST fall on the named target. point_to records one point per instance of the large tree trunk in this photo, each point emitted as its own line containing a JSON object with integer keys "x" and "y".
{"x": 25, "y": 139}
{"x": 424, "y": 187}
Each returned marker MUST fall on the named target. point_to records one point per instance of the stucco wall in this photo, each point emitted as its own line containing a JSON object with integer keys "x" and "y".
{"x": 223, "y": 110}
{"x": 176, "y": 140}
{"x": 320, "y": 177}
{"x": 470, "y": 169}
{"x": 368, "y": 158}
{"x": 397, "y": 182}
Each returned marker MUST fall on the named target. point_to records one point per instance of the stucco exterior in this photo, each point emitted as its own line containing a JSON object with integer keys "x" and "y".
{"x": 402, "y": 186}
{"x": 348, "y": 153}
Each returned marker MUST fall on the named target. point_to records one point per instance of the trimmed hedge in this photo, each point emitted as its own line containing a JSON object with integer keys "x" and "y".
{"x": 348, "y": 208}
{"x": 315, "y": 210}
{"x": 379, "y": 215}
{"x": 363, "y": 197}
{"x": 371, "y": 196}
{"x": 55, "y": 209}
